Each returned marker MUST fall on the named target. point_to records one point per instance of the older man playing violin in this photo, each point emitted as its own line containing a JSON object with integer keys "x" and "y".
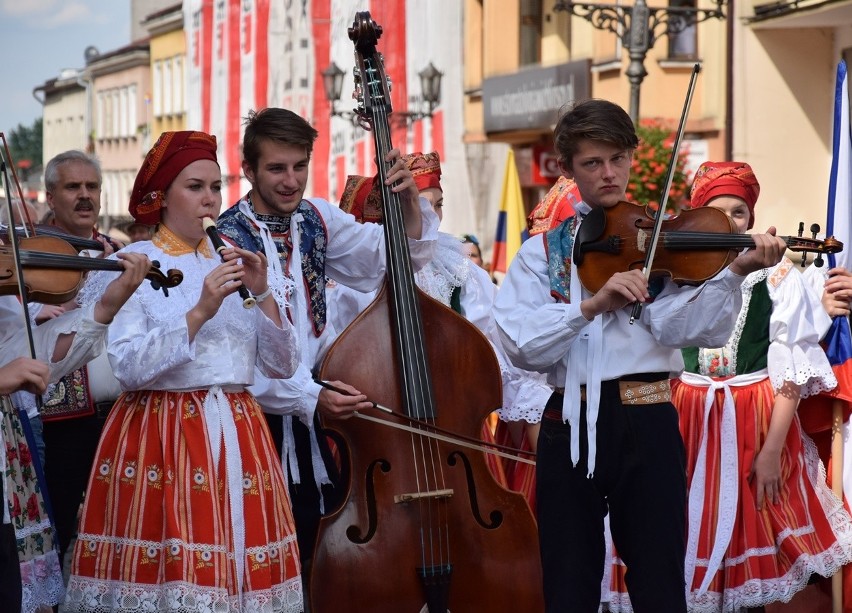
{"x": 609, "y": 440}
{"x": 75, "y": 413}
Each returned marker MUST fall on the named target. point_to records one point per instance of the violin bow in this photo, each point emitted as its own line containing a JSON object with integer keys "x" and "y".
{"x": 664, "y": 198}
{"x": 26, "y": 221}
{"x": 16, "y": 254}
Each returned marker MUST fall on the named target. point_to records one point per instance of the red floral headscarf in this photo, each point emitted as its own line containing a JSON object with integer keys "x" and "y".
{"x": 715, "y": 179}
{"x": 172, "y": 152}
{"x": 362, "y": 196}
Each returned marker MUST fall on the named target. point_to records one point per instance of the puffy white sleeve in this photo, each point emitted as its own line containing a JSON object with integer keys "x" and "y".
{"x": 89, "y": 337}
{"x": 534, "y": 329}
{"x": 296, "y": 395}
{"x": 277, "y": 348}
{"x": 356, "y": 252}
{"x": 164, "y": 346}
{"x": 797, "y": 324}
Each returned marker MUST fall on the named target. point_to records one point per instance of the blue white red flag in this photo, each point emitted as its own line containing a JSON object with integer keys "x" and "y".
{"x": 838, "y": 341}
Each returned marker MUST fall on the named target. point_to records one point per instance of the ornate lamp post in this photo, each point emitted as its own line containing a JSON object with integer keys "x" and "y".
{"x": 430, "y": 87}
{"x": 639, "y": 26}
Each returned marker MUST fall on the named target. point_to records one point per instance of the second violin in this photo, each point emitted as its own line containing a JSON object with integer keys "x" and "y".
{"x": 694, "y": 246}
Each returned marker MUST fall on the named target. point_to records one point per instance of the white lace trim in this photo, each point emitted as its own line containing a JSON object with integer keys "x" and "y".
{"x": 41, "y": 584}
{"x": 99, "y": 596}
{"x": 450, "y": 268}
{"x": 30, "y": 529}
{"x": 759, "y": 592}
{"x": 525, "y": 393}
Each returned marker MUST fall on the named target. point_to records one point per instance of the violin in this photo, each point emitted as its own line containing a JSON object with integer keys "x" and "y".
{"x": 55, "y": 270}
{"x": 31, "y": 230}
{"x": 693, "y": 246}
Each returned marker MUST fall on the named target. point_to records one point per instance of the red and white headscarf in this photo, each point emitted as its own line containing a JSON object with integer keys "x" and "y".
{"x": 172, "y": 152}
{"x": 362, "y": 196}
{"x": 715, "y": 179}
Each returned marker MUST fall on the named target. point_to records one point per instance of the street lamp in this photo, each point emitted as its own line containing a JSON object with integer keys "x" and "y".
{"x": 430, "y": 87}
{"x": 638, "y": 27}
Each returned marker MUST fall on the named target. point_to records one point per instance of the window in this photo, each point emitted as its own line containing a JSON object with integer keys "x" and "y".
{"x": 168, "y": 94}
{"x": 132, "y": 111}
{"x": 178, "y": 87}
{"x": 530, "y": 34}
{"x": 682, "y": 31}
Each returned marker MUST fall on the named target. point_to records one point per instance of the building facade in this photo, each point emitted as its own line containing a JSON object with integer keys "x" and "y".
{"x": 121, "y": 118}
{"x": 785, "y": 58}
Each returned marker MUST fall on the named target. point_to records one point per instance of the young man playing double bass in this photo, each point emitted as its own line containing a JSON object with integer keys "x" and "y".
{"x": 609, "y": 440}
{"x": 307, "y": 241}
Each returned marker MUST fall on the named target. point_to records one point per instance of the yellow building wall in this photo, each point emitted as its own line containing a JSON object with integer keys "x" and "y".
{"x": 163, "y": 46}
{"x": 782, "y": 119}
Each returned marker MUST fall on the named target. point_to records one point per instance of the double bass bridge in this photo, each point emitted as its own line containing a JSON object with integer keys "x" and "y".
{"x": 434, "y": 495}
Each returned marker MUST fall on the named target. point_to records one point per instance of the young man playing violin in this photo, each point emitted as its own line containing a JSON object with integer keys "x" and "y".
{"x": 609, "y": 440}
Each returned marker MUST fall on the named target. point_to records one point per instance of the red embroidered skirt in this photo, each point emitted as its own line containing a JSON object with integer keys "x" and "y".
{"x": 158, "y": 530}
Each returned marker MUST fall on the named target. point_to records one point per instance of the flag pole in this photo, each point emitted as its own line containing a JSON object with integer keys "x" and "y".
{"x": 837, "y": 488}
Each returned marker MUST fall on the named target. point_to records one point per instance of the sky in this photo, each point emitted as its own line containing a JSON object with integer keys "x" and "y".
{"x": 40, "y": 38}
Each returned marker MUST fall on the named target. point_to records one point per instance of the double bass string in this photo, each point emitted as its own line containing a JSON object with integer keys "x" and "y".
{"x": 419, "y": 398}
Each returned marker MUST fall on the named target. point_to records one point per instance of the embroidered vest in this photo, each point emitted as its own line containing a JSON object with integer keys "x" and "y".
{"x": 243, "y": 231}
{"x": 558, "y": 247}
{"x": 752, "y": 349}
{"x": 69, "y": 398}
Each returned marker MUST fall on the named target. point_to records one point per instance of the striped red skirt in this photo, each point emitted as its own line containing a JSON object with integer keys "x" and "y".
{"x": 186, "y": 510}
{"x": 742, "y": 557}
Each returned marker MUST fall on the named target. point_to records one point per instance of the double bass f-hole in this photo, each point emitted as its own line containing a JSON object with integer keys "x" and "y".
{"x": 424, "y": 526}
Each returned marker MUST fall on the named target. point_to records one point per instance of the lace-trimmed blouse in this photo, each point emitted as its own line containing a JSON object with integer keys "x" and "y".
{"x": 792, "y": 326}
{"x": 148, "y": 341}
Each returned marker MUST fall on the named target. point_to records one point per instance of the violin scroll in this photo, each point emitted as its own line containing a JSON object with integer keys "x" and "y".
{"x": 806, "y": 245}
{"x": 163, "y": 281}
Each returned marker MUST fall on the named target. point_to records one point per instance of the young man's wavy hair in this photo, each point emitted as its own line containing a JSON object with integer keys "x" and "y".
{"x": 593, "y": 119}
{"x": 277, "y": 125}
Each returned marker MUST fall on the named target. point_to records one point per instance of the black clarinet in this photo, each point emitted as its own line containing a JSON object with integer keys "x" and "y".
{"x": 210, "y": 227}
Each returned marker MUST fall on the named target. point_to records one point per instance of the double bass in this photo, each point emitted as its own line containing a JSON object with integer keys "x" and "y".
{"x": 424, "y": 526}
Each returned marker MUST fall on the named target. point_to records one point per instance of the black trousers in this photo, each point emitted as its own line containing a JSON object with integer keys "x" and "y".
{"x": 70, "y": 446}
{"x": 639, "y": 479}
{"x": 304, "y": 496}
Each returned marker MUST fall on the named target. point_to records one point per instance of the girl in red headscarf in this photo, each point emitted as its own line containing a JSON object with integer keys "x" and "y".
{"x": 187, "y": 508}
{"x": 761, "y": 519}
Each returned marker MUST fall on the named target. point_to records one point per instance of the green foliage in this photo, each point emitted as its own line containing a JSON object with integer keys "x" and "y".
{"x": 25, "y": 147}
{"x": 650, "y": 166}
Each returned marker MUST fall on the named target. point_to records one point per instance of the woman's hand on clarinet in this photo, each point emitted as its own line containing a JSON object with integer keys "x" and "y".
{"x": 254, "y": 267}
{"x": 219, "y": 283}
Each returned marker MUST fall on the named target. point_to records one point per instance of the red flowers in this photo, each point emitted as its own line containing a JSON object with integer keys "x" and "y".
{"x": 650, "y": 163}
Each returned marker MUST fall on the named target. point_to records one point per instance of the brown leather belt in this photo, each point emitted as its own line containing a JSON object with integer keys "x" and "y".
{"x": 637, "y": 392}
